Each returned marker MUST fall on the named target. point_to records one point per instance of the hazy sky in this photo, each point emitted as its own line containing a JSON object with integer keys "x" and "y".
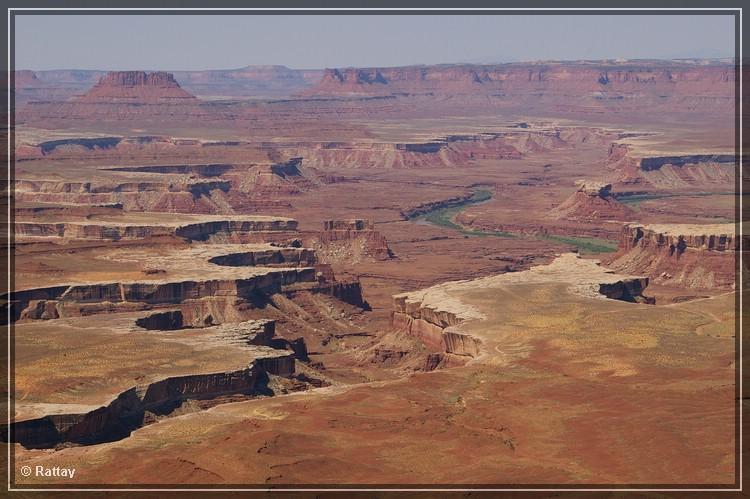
{"x": 174, "y": 42}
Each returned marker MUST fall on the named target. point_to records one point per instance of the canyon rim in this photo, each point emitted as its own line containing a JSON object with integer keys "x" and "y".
{"x": 374, "y": 273}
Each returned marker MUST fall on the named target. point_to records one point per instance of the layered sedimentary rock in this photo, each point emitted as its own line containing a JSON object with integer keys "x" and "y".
{"x": 448, "y": 151}
{"x": 347, "y": 291}
{"x": 250, "y": 81}
{"x": 144, "y": 146}
{"x": 138, "y": 405}
{"x": 137, "y": 87}
{"x": 348, "y": 241}
{"x": 127, "y": 95}
{"x": 690, "y": 256}
{"x": 270, "y": 257}
{"x": 264, "y": 183}
{"x": 180, "y": 195}
{"x": 83, "y": 299}
{"x": 641, "y": 83}
{"x": 116, "y": 230}
{"x": 592, "y": 201}
{"x": 629, "y": 165}
{"x": 435, "y": 315}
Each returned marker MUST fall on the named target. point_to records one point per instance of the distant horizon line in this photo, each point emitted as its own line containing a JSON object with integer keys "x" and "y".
{"x": 617, "y": 60}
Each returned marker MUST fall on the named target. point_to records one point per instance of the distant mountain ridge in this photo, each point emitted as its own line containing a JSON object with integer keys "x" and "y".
{"x": 653, "y": 77}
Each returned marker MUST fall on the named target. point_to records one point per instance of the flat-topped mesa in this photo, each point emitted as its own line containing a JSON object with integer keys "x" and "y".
{"x": 435, "y": 315}
{"x": 136, "y": 406}
{"x": 174, "y": 194}
{"x": 679, "y": 237}
{"x": 630, "y": 165}
{"x": 592, "y": 201}
{"x": 440, "y": 151}
{"x": 649, "y": 80}
{"x": 691, "y": 256}
{"x": 137, "y": 87}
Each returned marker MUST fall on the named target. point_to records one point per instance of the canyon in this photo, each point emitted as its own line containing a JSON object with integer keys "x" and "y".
{"x": 283, "y": 277}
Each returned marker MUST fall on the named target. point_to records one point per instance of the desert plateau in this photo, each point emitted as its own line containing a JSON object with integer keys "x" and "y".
{"x": 419, "y": 275}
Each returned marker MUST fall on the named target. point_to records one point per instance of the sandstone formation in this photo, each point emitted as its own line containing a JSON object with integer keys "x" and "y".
{"x": 250, "y": 81}
{"x": 435, "y": 315}
{"x": 138, "y": 405}
{"x": 604, "y": 81}
{"x": 631, "y": 166}
{"x": 136, "y": 87}
{"x": 211, "y": 283}
{"x": 592, "y": 201}
{"x": 180, "y": 188}
{"x": 157, "y": 274}
{"x": 128, "y": 411}
{"x": 452, "y": 150}
{"x": 84, "y": 299}
{"x": 201, "y": 229}
{"x": 686, "y": 256}
{"x": 349, "y": 241}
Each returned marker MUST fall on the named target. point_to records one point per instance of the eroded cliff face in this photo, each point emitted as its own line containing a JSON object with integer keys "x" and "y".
{"x": 688, "y": 256}
{"x": 448, "y": 151}
{"x": 115, "y": 231}
{"x": 212, "y": 295}
{"x": 141, "y": 404}
{"x": 270, "y": 361}
{"x": 348, "y": 241}
{"x": 438, "y": 329}
{"x": 303, "y": 257}
{"x": 705, "y": 171}
{"x": 438, "y": 316}
{"x": 603, "y": 83}
{"x": 177, "y": 196}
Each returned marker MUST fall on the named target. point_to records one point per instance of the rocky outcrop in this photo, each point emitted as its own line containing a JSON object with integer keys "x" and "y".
{"x": 349, "y": 241}
{"x": 176, "y": 195}
{"x": 203, "y": 230}
{"x": 357, "y": 224}
{"x": 347, "y": 291}
{"x": 136, "y": 87}
{"x": 89, "y": 231}
{"x": 592, "y": 201}
{"x": 129, "y": 410}
{"x": 436, "y": 315}
{"x": 690, "y": 256}
{"x": 705, "y": 171}
{"x": 655, "y": 163}
{"x": 448, "y": 151}
{"x": 599, "y": 84}
{"x": 206, "y": 170}
{"x": 162, "y": 321}
{"x": 140, "y": 405}
{"x": 433, "y": 327}
{"x": 287, "y": 257}
{"x": 199, "y": 231}
{"x": 250, "y": 81}
{"x": 83, "y": 299}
